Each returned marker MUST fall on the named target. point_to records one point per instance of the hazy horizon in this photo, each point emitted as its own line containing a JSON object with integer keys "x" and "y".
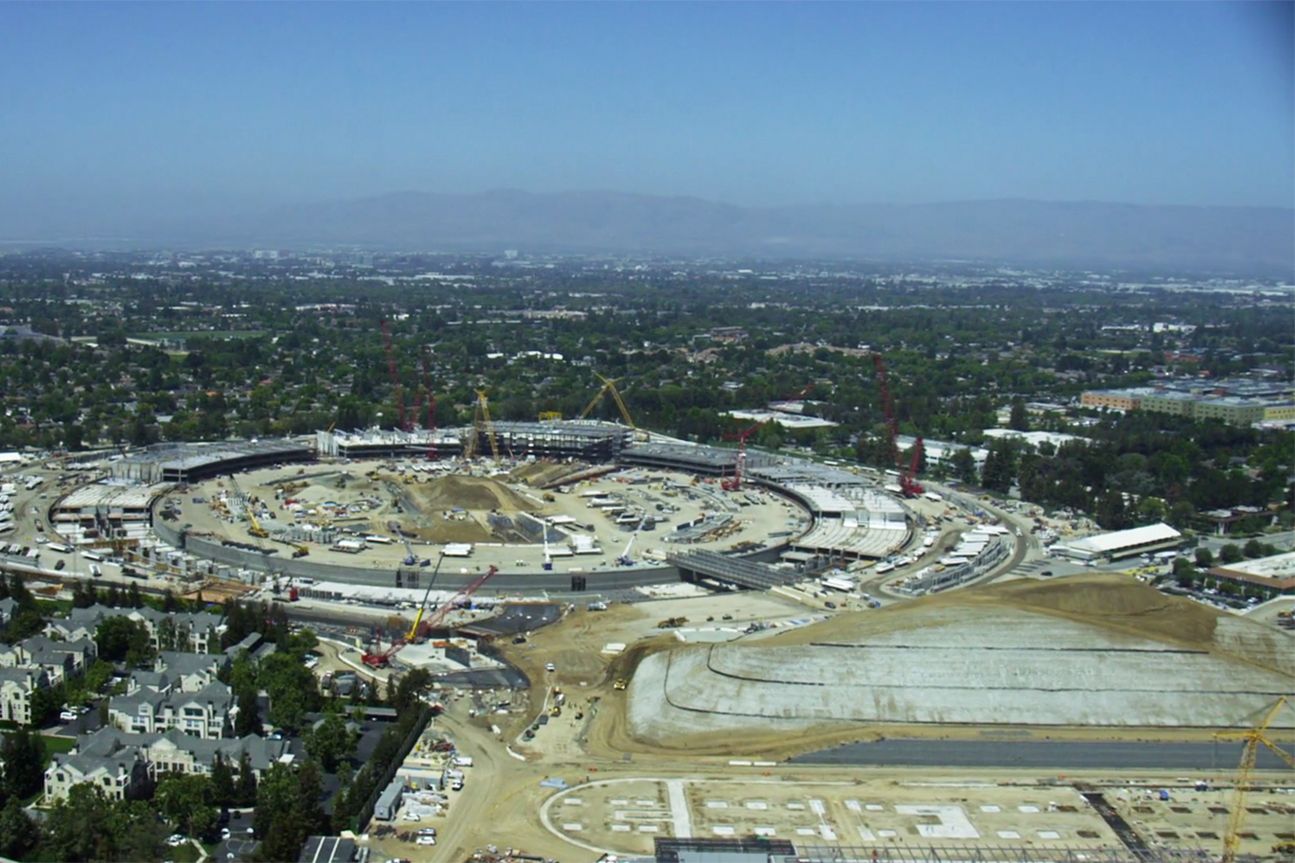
{"x": 211, "y": 109}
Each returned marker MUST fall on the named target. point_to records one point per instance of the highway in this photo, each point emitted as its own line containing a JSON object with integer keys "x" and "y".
{"x": 1047, "y": 754}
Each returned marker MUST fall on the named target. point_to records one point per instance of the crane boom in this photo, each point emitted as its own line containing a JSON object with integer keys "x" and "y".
{"x": 440, "y": 613}
{"x": 392, "y": 373}
{"x": 1253, "y": 737}
{"x": 908, "y": 483}
{"x": 422, "y": 606}
{"x": 248, "y": 510}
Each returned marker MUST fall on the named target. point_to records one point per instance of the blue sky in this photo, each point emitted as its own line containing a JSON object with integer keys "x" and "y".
{"x": 252, "y": 104}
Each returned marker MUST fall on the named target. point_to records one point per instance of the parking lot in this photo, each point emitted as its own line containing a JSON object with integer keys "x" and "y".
{"x": 625, "y": 815}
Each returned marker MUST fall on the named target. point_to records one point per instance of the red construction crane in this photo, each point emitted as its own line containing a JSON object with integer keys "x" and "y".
{"x": 392, "y": 373}
{"x": 431, "y": 409}
{"x": 734, "y": 482}
{"x": 908, "y": 483}
{"x": 382, "y": 658}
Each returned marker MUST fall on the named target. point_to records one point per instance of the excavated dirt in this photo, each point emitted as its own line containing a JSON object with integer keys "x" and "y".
{"x": 1112, "y": 602}
{"x": 541, "y": 473}
{"x": 468, "y": 492}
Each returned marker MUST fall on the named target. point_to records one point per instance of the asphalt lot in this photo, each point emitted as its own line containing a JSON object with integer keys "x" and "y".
{"x": 1052, "y": 754}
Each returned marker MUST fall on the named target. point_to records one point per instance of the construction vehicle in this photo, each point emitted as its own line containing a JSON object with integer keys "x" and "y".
{"x": 411, "y": 559}
{"x": 620, "y": 683}
{"x": 908, "y": 483}
{"x": 382, "y": 658}
{"x": 625, "y": 559}
{"x": 734, "y": 483}
{"x": 249, "y": 510}
{"x": 300, "y": 551}
{"x": 1253, "y": 737}
{"x": 672, "y": 622}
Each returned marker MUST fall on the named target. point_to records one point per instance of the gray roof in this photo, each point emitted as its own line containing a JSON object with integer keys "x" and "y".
{"x": 219, "y": 694}
{"x": 47, "y": 651}
{"x": 176, "y": 663}
{"x": 8, "y": 606}
{"x": 19, "y": 675}
{"x": 262, "y": 752}
{"x": 85, "y": 763}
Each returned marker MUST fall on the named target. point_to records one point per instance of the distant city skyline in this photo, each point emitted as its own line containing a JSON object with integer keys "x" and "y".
{"x": 217, "y": 108}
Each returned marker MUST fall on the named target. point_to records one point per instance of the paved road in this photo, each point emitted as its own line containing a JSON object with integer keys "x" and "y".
{"x": 1052, "y": 754}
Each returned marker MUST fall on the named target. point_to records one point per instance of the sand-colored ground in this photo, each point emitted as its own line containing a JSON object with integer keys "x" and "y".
{"x": 1089, "y": 652}
{"x": 504, "y": 801}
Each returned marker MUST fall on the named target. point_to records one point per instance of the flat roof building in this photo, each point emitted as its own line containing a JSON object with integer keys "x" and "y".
{"x": 1272, "y": 575}
{"x": 1121, "y": 543}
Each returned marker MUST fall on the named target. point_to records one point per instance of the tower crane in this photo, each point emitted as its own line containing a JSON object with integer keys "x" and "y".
{"x": 908, "y": 483}
{"x": 1253, "y": 737}
{"x": 482, "y": 424}
{"x": 431, "y": 409}
{"x": 394, "y": 375}
{"x": 734, "y": 483}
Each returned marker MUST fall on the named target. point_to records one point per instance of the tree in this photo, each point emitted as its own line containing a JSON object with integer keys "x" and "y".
{"x": 1018, "y": 419}
{"x": 1229, "y": 553}
{"x": 122, "y": 639}
{"x": 88, "y": 826}
{"x": 999, "y": 468}
{"x": 184, "y": 799}
{"x": 1184, "y": 573}
{"x": 279, "y": 821}
{"x": 223, "y": 792}
{"x": 18, "y": 833}
{"x": 23, "y": 755}
{"x": 248, "y": 718}
{"x": 1204, "y": 557}
{"x": 1253, "y": 548}
{"x": 330, "y": 741}
{"x": 247, "y": 782}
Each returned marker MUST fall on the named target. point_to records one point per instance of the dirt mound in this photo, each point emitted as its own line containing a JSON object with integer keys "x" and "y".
{"x": 469, "y": 492}
{"x": 1116, "y": 602}
{"x": 541, "y": 473}
{"x": 1112, "y": 602}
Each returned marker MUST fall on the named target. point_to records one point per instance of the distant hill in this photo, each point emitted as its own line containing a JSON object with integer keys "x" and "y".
{"x": 1247, "y": 239}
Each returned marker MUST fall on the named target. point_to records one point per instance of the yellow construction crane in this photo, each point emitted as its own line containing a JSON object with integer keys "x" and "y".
{"x": 249, "y": 510}
{"x": 609, "y": 385}
{"x": 482, "y": 424}
{"x": 1249, "y": 752}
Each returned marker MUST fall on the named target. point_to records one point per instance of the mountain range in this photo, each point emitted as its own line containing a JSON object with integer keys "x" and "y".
{"x": 1250, "y": 240}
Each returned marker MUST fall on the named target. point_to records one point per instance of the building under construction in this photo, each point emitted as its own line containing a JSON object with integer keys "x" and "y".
{"x": 584, "y": 440}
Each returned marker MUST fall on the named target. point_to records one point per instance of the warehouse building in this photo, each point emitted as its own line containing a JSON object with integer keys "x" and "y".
{"x": 1121, "y": 543}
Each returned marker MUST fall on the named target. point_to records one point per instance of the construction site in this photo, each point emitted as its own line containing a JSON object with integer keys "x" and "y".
{"x": 1140, "y": 731}
{"x": 749, "y": 647}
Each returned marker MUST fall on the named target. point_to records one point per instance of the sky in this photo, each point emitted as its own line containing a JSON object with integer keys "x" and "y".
{"x": 244, "y": 105}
